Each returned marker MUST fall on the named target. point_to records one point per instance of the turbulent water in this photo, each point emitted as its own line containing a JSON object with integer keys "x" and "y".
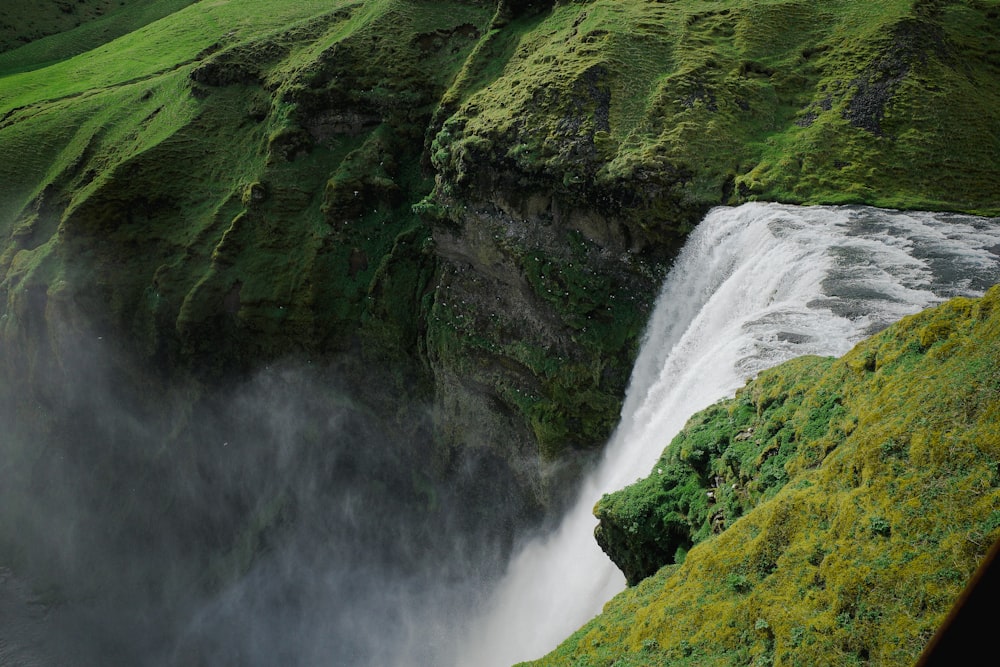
{"x": 754, "y": 286}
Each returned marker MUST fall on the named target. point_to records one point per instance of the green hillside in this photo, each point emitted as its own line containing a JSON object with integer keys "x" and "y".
{"x": 24, "y": 21}
{"x": 850, "y": 501}
{"x": 35, "y": 34}
{"x": 227, "y": 183}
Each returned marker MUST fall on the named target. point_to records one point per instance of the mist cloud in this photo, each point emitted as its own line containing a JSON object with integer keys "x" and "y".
{"x": 273, "y": 521}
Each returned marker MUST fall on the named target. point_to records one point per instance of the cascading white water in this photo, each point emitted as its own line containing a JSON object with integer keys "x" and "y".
{"x": 754, "y": 286}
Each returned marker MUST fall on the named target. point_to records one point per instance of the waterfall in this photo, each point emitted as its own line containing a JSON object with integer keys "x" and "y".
{"x": 754, "y": 286}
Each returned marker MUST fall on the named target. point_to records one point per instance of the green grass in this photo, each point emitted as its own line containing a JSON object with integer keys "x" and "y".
{"x": 743, "y": 100}
{"x": 91, "y": 33}
{"x": 23, "y": 21}
{"x": 881, "y": 511}
{"x": 139, "y": 169}
{"x": 162, "y": 45}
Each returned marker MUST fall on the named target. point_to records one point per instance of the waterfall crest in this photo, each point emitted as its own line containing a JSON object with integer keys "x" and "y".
{"x": 754, "y": 286}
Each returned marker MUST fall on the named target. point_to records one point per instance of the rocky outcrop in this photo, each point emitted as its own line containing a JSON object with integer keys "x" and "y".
{"x": 727, "y": 460}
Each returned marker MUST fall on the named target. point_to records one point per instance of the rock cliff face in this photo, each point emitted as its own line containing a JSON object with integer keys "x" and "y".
{"x": 461, "y": 208}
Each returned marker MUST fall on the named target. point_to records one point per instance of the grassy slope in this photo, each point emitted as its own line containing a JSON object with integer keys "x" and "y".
{"x": 112, "y": 149}
{"x": 890, "y": 496}
{"x": 94, "y": 22}
{"x": 887, "y": 103}
{"x": 25, "y": 21}
{"x": 227, "y": 185}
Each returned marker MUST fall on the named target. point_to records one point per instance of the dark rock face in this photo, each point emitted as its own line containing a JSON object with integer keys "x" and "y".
{"x": 521, "y": 327}
{"x": 517, "y": 8}
{"x": 220, "y": 72}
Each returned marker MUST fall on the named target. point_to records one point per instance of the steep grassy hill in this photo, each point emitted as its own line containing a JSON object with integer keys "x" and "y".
{"x": 472, "y": 202}
{"x": 36, "y": 34}
{"x": 833, "y": 509}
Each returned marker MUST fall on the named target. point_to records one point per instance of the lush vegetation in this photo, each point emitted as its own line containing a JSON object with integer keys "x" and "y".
{"x": 869, "y": 489}
{"x": 228, "y": 183}
{"x": 727, "y": 460}
{"x": 650, "y": 109}
{"x": 231, "y": 184}
{"x": 463, "y": 210}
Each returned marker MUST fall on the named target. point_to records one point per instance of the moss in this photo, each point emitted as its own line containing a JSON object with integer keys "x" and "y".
{"x": 651, "y": 111}
{"x": 727, "y": 460}
{"x": 858, "y": 556}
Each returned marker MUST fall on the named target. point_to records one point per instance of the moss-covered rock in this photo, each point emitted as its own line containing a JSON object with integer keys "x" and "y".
{"x": 854, "y": 547}
{"x": 727, "y": 460}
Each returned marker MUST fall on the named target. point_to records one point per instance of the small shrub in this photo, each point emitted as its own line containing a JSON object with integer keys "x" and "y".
{"x": 880, "y": 526}
{"x": 738, "y": 583}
